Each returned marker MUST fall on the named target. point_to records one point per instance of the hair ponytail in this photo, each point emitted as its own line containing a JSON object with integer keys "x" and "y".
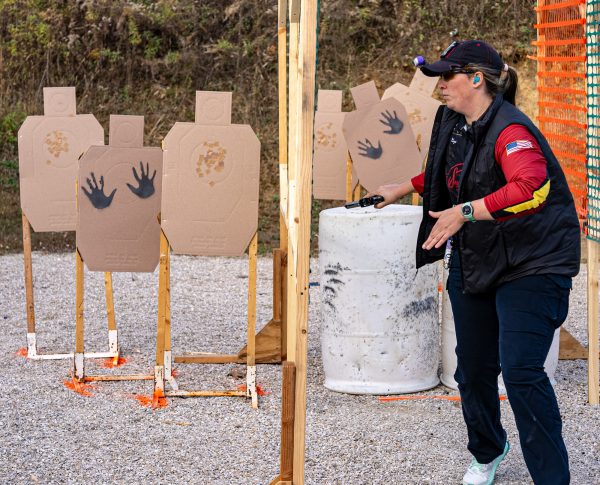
{"x": 510, "y": 84}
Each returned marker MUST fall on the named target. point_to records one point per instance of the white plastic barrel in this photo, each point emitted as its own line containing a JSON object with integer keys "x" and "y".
{"x": 380, "y": 331}
{"x": 449, "y": 349}
{"x": 448, "y": 341}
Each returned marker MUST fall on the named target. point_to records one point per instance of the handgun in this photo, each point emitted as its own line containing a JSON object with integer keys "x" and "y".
{"x": 365, "y": 202}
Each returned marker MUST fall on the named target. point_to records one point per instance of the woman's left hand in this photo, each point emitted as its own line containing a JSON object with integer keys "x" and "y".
{"x": 448, "y": 223}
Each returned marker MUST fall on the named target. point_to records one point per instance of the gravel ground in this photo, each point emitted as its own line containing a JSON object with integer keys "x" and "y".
{"x": 49, "y": 434}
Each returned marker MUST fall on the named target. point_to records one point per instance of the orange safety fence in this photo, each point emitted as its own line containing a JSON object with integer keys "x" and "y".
{"x": 561, "y": 73}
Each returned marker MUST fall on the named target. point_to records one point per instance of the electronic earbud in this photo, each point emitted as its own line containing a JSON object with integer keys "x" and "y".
{"x": 476, "y": 79}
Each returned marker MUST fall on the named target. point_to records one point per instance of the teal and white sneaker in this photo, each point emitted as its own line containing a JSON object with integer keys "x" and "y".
{"x": 480, "y": 474}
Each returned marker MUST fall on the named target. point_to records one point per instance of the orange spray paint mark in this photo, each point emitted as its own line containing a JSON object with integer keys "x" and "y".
{"x": 159, "y": 400}
{"x": 420, "y": 398}
{"x": 79, "y": 387}
{"x": 145, "y": 401}
{"x": 22, "y": 352}
{"x": 259, "y": 390}
{"x": 111, "y": 363}
{"x": 149, "y": 401}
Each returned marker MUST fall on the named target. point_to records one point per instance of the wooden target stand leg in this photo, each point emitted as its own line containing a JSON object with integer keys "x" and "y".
{"x": 163, "y": 370}
{"x": 32, "y": 352}
{"x": 351, "y": 195}
{"x": 271, "y": 340}
{"x": 80, "y": 354}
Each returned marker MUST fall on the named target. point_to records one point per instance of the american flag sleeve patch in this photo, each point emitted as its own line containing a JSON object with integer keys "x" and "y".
{"x": 517, "y": 145}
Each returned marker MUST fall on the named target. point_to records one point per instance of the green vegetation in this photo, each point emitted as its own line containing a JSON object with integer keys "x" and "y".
{"x": 148, "y": 57}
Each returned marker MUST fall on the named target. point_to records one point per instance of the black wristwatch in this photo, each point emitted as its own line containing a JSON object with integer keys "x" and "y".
{"x": 467, "y": 211}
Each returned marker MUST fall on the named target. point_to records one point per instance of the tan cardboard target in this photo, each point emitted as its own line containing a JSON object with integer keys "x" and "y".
{"x": 330, "y": 152}
{"x": 119, "y": 194}
{"x": 49, "y": 149}
{"x": 380, "y": 139}
{"x": 210, "y": 181}
{"x": 421, "y": 112}
{"x": 424, "y": 84}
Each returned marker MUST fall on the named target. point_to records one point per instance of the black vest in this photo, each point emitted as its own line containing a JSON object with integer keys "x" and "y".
{"x": 493, "y": 252}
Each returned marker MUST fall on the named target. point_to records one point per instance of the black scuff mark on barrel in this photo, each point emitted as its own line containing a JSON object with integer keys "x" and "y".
{"x": 335, "y": 281}
{"x": 330, "y": 289}
{"x": 418, "y": 307}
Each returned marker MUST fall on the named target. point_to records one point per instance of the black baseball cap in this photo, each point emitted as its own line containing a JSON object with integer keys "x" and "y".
{"x": 458, "y": 54}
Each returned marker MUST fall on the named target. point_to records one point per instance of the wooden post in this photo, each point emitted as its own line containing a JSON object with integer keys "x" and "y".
{"x": 288, "y": 385}
{"x": 285, "y": 329}
{"x": 278, "y": 299}
{"x": 299, "y": 257}
{"x": 283, "y": 125}
{"x": 28, "y": 268}
{"x": 163, "y": 277}
{"x": 168, "y": 360}
{"x": 283, "y": 164}
{"x": 357, "y": 192}
{"x": 293, "y": 139}
{"x": 113, "y": 342}
{"x": 110, "y": 305}
{"x": 593, "y": 314}
{"x": 79, "y": 342}
{"x": 251, "y": 355}
{"x": 349, "y": 178}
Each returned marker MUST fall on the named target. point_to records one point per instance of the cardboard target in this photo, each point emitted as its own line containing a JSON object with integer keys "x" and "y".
{"x": 119, "y": 194}
{"x": 49, "y": 150}
{"x": 380, "y": 139}
{"x": 424, "y": 84}
{"x": 330, "y": 152}
{"x": 210, "y": 181}
{"x": 421, "y": 113}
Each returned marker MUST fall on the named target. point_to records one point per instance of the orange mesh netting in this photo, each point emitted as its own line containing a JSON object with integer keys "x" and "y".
{"x": 561, "y": 55}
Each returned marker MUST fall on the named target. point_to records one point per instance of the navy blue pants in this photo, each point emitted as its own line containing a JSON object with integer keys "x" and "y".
{"x": 511, "y": 327}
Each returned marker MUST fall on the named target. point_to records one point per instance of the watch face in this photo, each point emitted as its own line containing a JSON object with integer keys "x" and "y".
{"x": 467, "y": 210}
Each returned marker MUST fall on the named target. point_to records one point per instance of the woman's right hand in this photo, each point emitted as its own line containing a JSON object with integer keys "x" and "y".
{"x": 391, "y": 193}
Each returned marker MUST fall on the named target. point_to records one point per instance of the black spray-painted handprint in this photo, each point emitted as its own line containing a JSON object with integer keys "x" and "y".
{"x": 394, "y": 123}
{"x": 146, "y": 185}
{"x": 366, "y": 149}
{"x": 96, "y": 193}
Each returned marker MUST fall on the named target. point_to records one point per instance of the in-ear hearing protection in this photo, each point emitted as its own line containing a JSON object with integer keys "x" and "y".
{"x": 476, "y": 79}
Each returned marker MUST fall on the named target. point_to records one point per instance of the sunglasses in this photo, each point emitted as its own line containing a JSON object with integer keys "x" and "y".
{"x": 448, "y": 75}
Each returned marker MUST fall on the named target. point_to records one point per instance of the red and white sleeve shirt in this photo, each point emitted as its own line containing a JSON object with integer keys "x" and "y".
{"x": 523, "y": 164}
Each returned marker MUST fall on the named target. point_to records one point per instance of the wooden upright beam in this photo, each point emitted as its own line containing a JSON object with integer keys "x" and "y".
{"x": 288, "y": 385}
{"x": 163, "y": 277}
{"x": 357, "y": 192}
{"x": 251, "y": 334}
{"x": 349, "y": 195}
{"x": 290, "y": 186}
{"x": 110, "y": 304}
{"x": 79, "y": 285}
{"x": 593, "y": 314}
{"x": 283, "y": 124}
{"x": 28, "y": 267}
{"x": 299, "y": 260}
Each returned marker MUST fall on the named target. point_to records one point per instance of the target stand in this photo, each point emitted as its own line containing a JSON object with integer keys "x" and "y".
{"x": 163, "y": 372}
